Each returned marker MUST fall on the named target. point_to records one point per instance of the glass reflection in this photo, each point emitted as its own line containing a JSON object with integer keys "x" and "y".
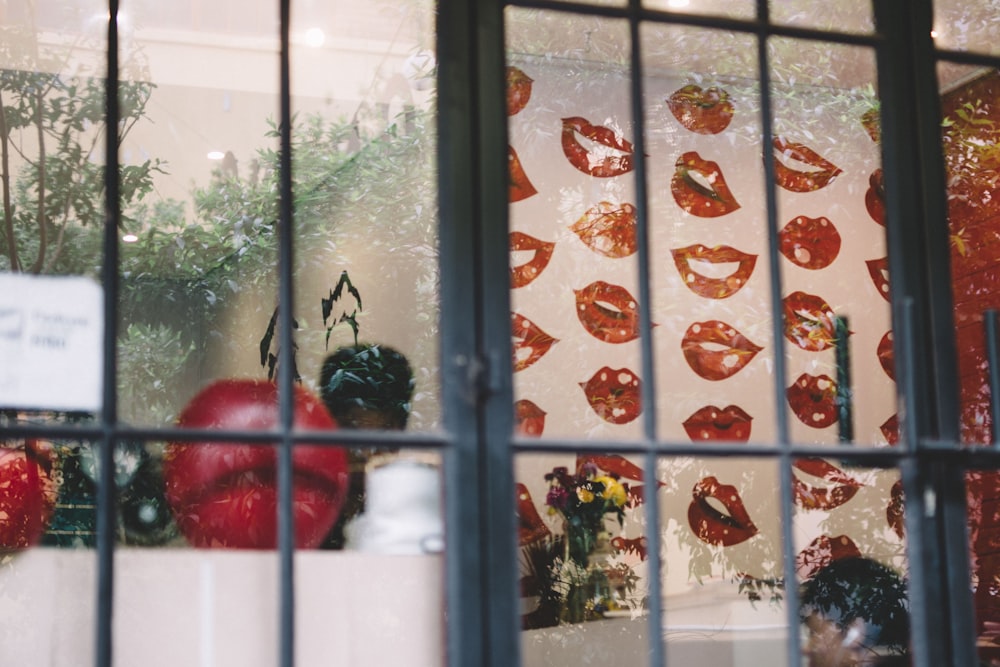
{"x": 723, "y": 578}
{"x": 965, "y": 26}
{"x": 742, "y": 9}
{"x": 840, "y": 384}
{"x": 839, "y": 15}
{"x": 575, "y": 319}
{"x": 582, "y": 556}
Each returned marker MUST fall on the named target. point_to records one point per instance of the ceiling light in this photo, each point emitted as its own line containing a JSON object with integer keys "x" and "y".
{"x": 216, "y": 155}
{"x": 130, "y": 238}
{"x": 677, "y": 4}
{"x": 315, "y": 37}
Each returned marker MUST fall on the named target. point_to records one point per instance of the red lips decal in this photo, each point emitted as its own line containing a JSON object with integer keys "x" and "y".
{"x": 520, "y": 187}
{"x": 813, "y": 399}
{"x": 610, "y": 154}
{"x": 731, "y": 423}
{"x": 714, "y": 526}
{"x": 809, "y": 322}
{"x": 821, "y": 552}
{"x": 530, "y": 342}
{"x": 715, "y": 350}
{"x": 812, "y": 243}
{"x": 890, "y": 430}
{"x": 530, "y": 527}
{"x": 894, "y": 510}
{"x": 615, "y": 322}
{"x": 805, "y": 180}
{"x": 872, "y": 122}
{"x": 713, "y": 288}
{"x": 707, "y": 111}
{"x": 875, "y": 197}
{"x": 608, "y": 229}
{"x": 523, "y": 274}
{"x": 878, "y": 269}
{"x": 636, "y": 545}
{"x": 614, "y": 395}
{"x": 812, "y": 497}
{"x": 529, "y": 419}
{"x": 699, "y": 187}
{"x": 518, "y": 90}
{"x": 885, "y": 355}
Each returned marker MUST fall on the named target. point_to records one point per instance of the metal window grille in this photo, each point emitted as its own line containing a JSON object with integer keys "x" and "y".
{"x": 477, "y": 446}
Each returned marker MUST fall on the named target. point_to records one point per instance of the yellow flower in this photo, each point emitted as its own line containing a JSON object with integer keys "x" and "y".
{"x": 585, "y": 495}
{"x": 613, "y": 490}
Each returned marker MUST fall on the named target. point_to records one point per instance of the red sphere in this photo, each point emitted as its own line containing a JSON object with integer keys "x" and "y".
{"x": 27, "y": 496}
{"x": 226, "y": 494}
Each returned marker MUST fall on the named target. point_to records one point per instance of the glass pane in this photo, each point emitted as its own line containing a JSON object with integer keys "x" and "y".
{"x": 851, "y": 564}
{"x": 708, "y": 238}
{"x": 839, "y": 15}
{"x": 721, "y": 544}
{"x": 835, "y": 277}
{"x": 582, "y": 547}
{"x": 740, "y": 9}
{"x": 966, "y": 26}
{"x": 984, "y": 513}
{"x": 51, "y": 308}
{"x": 572, "y": 219}
{"x": 969, "y": 138}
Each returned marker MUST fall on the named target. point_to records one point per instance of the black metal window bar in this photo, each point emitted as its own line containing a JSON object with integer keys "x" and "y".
{"x": 482, "y": 623}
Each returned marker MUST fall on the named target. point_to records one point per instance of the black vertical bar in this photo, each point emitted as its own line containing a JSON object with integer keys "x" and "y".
{"x": 464, "y": 569}
{"x": 655, "y": 621}
{"x": 845, "y": 392}
{"x": 286, "y": 517}
{"x": 109, "y": 408}
{"x": 993, "y": 365}
{"x": 787, "y": 505}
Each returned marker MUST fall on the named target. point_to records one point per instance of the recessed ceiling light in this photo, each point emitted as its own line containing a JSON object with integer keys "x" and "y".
{"x": 934, "y": 34}
{"x": 130, "y": 238}
{"x": 315, "y": 37}
{"x": 216, "y": 155}
{"x": 677, "y": 4}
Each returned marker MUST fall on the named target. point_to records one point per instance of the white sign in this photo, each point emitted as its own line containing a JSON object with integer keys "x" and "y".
{"x": 51, "y": 331}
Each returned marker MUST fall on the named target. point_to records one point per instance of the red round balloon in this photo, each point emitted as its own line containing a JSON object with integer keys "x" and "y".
{"x": 27, "y": 496}
{"x": 225, "y": 494}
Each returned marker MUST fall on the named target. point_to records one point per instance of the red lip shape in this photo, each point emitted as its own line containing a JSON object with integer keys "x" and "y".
{"x": 886, "y": 355}
{"x": 713, "y": 288}
{"x": 802, "y": 181}
{"x": 530, "y": 527}
{"x": 821, "y": 552}
{"x": 811, "y": 497}
{"x": 614, "y": 394}
{"x": 878, "y": 269}
{"x": 524, "y": 274}
{"x": 608, "y": 229}
{"x": 875, "y": 197}
{"x": 707, "y": 111}
{"x": 616, "y": 322}
{"x": 518, "y": 90}
{"x": 813, "y": 399}
{"x": 812, "y": 243}
{"x": 700, "y": 188}
{"x": 225, "y": 494}
{"x": 730, "y": 424}
{"x": 872, "y": 122}
{"x": 529, "y": 341}
{"x": 713, "y": 526}
{"x": 598, "y": 161}
{"x": 520, "y": 187}
{"x": 636, "y": 546}
{"x": 529, "y": 419}
{"x": 717, "y": 364}
{"x": 809, "y": 322}
{"x": 890, "y": 430}
{"x": 617, "y": 465}
{"x": 894, "y": 510}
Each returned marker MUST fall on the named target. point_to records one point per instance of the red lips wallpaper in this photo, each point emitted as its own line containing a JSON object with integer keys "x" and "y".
{"x": 705, "y": 231}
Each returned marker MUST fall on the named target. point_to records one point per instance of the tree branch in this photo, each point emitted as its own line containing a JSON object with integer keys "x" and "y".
{"x": 8, "y": 213}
